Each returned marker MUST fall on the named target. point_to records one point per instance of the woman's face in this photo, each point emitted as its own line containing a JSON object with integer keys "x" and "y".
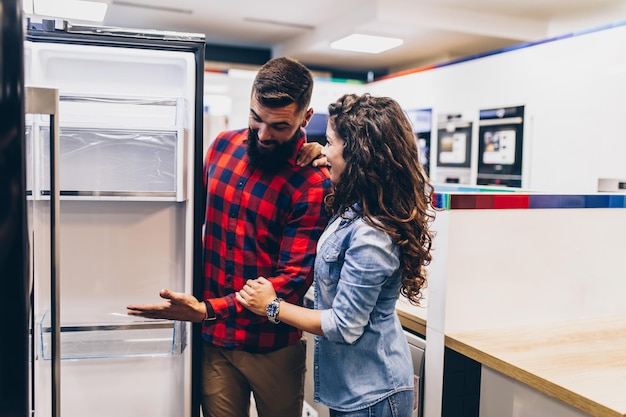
{"x": 333, "y": 151}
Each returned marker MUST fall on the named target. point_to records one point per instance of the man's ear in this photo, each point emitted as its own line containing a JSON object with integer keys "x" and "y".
{"x": 307, "y": 117}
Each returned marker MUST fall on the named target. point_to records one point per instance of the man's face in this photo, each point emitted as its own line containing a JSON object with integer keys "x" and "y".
{"x": 273, "y": 133}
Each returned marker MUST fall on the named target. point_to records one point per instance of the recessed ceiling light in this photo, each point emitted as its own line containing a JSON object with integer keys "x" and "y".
{"x": 366, "y": 43}
{"x": 71, "y": 9}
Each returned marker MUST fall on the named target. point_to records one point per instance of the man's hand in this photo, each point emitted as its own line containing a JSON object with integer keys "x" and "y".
{"x": 311, "y": 153}
{"x": 256, "y": 295}
{"x": 178, "y": 306}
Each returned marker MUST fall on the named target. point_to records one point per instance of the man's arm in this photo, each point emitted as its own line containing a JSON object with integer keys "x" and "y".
{"x": 178, "y": 306}
{"x": 294, "y": 272}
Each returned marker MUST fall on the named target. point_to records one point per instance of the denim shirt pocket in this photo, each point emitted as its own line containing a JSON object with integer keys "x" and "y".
{"x": 328, "y": 267}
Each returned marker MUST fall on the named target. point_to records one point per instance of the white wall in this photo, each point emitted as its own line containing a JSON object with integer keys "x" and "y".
{"x": 574, "y": 90}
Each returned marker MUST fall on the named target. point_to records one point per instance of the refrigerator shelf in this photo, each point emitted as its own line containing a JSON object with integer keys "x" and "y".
{"x": 112, "y": 148}
{"x": 117, "y": 164}
{"x": 151, "y": 338}
{"x": 106, "y": 195}
{"x": 139, "y": 113}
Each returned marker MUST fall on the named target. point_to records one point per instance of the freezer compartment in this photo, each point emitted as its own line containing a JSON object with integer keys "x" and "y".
{"x": 115, "y": 340}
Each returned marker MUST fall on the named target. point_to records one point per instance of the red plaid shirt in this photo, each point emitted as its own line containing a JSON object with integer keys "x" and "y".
{"x": 257, "y": 224}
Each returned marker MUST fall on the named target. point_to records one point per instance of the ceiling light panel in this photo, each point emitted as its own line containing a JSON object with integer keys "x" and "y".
{"x": 366, "y": 43}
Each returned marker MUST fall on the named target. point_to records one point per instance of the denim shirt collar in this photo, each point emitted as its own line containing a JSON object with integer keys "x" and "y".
{"x": 349, "y": 215}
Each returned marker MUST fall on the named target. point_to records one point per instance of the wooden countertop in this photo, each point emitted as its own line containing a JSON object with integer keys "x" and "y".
{"x": 412, "y": 317}
{"x": 582, "y": 363}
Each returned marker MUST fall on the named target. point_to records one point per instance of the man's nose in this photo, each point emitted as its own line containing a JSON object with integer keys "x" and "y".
{"x": 264, "y": 133}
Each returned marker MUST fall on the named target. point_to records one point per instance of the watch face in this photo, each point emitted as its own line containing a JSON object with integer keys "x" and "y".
{"x": 272, "y": 309}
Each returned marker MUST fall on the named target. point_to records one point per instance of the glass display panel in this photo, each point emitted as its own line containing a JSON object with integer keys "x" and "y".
{"x": 499, "y": 147}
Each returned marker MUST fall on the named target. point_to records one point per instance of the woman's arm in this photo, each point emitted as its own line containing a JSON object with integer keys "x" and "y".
{"x": 311, "y": 153}
{"x": 258, "y": 293}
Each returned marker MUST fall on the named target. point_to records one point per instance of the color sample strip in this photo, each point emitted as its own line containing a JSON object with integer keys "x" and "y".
{"x": 496, "y": 201}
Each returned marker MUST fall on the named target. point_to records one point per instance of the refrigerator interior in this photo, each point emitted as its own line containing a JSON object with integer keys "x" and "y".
{"x": 126, "y": 127}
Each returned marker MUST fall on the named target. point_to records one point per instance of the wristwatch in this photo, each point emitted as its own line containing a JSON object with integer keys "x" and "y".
{"x": 272, "y": 310}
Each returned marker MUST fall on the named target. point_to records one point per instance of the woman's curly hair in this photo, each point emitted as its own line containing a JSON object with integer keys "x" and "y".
{"x": 384, "y": 179}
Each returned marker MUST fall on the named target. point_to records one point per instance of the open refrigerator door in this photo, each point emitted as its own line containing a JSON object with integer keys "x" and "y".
{"x": 131, "y": 204}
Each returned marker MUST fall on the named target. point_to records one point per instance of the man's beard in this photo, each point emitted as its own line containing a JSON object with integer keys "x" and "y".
{"x": 270, "y": 160}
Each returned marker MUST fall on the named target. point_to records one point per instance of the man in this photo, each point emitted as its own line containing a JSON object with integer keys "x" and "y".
{"x": 264, "y": 215}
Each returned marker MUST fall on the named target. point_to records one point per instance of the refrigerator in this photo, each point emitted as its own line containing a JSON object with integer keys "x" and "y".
{"x": 113, "y": 204}
{"x": 14, "y": 274}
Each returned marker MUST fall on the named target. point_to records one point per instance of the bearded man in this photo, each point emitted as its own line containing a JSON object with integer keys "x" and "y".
{"x": 264, "y": 215}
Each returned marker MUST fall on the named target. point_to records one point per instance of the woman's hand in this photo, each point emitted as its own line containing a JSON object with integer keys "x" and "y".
{"x": 311, "y": 153}
{"x": 256, "y": 295}
{"x": 178, "y": 306}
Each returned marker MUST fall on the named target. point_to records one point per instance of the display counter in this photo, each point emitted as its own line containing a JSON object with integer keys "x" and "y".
{"x": 581, "y": 363}
{"x": 529, "y": 285}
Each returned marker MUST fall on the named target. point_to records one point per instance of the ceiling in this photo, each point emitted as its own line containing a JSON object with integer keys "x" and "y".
{"x": 433, "y": 31}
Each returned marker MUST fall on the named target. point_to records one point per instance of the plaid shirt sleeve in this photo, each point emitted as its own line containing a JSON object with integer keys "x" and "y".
{"x": 294, "y": 273}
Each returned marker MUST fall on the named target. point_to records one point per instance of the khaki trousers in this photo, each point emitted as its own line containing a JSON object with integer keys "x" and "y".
{"x": 275, "y": 378}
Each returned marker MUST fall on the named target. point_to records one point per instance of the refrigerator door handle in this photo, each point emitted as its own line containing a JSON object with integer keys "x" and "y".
{"x": 46, "y": 101}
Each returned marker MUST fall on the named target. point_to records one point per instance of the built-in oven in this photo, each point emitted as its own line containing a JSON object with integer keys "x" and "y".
{"x": 500, "y": 146}
{"x": 421, "y": 119}
{"x": 454, "y": 149}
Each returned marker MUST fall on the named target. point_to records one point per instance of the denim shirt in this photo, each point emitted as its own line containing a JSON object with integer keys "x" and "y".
{"x": 363, "y": 356}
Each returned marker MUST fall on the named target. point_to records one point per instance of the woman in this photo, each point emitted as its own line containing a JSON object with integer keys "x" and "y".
{"x": 375, "y": 247}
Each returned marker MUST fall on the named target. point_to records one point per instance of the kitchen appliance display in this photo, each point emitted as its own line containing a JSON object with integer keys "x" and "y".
{"x": 500, "y": 146}
{"x": 421, "y": 119}
{"x": 454, "y": 149}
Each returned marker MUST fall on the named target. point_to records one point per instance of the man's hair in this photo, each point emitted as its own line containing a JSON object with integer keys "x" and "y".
{"x": 282, "y": 81}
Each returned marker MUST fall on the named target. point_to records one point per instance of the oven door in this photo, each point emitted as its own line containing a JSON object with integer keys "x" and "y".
{"x": 500, "y": 147}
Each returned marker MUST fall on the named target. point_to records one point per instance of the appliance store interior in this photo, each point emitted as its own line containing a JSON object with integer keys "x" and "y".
{"x": 524, "y": 313}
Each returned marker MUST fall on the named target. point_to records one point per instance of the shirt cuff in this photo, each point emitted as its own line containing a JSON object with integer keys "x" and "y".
{"x": 210, "y": 313}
